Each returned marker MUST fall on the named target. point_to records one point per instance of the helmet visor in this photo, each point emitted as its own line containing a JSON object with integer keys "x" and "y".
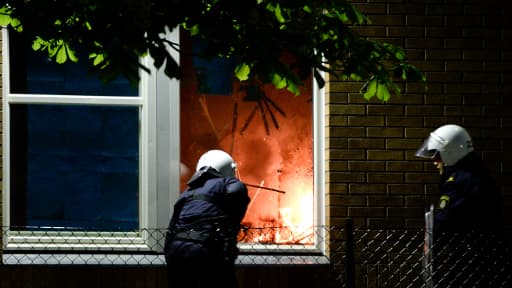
{"x": 427, "y": 151}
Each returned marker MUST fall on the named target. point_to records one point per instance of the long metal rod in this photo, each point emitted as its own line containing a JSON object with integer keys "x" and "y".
{"x": 265, "y": 188}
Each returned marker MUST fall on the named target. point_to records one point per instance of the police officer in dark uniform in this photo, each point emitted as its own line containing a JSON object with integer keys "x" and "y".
{"x": 201, "y": 242}
{"x": 468, "y": 222}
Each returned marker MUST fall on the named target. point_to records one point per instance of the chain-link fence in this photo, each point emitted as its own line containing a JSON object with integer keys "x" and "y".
{"x": 413, "y": 258}
{"x": 349, "y": 256}
{"x": 469, "y": 260}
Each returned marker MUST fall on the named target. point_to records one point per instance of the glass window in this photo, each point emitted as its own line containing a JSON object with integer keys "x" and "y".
{"x": 82, "y": 157}
{"x": 80, "y": 167}
{"x": 269, "y": 132}
{"x": 33, "y": 72}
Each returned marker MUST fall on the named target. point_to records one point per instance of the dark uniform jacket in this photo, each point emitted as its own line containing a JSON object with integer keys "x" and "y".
{"x": 468, "y": 250}
{"x": 207, "y": 216}
{"x": 469, "y": 199}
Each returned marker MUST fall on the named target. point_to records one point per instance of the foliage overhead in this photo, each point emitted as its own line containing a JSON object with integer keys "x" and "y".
{"x": 272, "y": 41}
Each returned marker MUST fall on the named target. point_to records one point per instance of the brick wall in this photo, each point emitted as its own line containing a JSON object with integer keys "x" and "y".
{"x": 372, "y": 175}
{"x": 465, "y": 49}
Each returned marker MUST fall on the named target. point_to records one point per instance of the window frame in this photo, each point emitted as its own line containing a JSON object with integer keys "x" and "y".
{"x": 319, "y": 206}
{"x": 158, "y": 104}
{"x": 159, "y": 100}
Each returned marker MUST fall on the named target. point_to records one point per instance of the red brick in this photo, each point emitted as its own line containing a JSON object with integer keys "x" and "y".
{"x": 346, "y": 177}
{"x": 404, "y": 211}
{"x": 385, "y": 110}
{"x": 351, "y": 154}
{"x": 404, "y": 121}
{"x": 367, "y": 189}
{"x": 366, "y": 165}
{"x": 366, "y": 143}
{"x": 366, "y": 212}
{"x": 416, "y": 110}
{"x": 336, "y": 188}
{"x": 403, "y": 143}
{"x": 366, "y": 120}
{"x": 336, "y": 143}
{"x": 346, "y": 110}
{"x": 345, "y": 200}
{"x": 384, "y": 155}
{"x": 385, "y": 201}
{"x": 405, "y": 166}
{"x": 417, "y": 20}
{"x": 463, "y": 110}
{"x": 385, "y": 177}
{"x": 345, "y": 132}
{"x": 405, "y": 189}
{"x": 385, "y": 132}
{"x": 388, "y": 20}
{"x": 421, "y": 178}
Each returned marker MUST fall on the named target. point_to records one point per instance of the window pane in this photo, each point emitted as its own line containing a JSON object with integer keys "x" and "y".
{"x": 268, "y": 131}
{"x": 75, "y": 166}
{"x": 34, "y": 73}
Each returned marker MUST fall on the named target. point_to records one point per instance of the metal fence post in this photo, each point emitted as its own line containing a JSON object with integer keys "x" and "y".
{"x": 428, "y": 243}
{"x": 350, "y": 264}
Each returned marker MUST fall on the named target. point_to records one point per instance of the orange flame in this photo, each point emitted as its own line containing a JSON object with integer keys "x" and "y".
{"x": 290, "y": 223}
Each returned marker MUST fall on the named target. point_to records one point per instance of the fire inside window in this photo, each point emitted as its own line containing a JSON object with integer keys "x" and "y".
{"x": 268, "y": 131}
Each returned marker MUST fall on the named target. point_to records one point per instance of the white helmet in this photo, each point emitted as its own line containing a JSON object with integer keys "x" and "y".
{"x": 449, "y": 142}
{"x": 218, "y": 160}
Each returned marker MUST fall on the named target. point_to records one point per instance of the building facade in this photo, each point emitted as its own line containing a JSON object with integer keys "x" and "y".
{"x": 365, "y": 168}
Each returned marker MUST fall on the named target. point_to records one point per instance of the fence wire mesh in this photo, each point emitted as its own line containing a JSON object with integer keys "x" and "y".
{"x": 470, "y": 260}
{"x": 352, "y": 257}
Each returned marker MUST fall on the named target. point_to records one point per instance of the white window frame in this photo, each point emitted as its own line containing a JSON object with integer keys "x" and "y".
{"x": 159, "y": 175}
{"x": 319, "y": 220}
{"x": 158, "y": 100}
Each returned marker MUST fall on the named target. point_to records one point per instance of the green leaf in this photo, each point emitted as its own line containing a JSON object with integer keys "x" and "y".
{"x": 61, "y": 55}
{"x": 5, "y": 16}
{"x": 400, "y": 55}
{"x": 278, "y": 14}
{"x": 343, "y": 17}
{"x": 278, "y": 81}
{"x": 88, "y": 25}
{"x": 361, "y": 19}
{"x": 4, "y": 19}
{"x": 194, "y": 30}
{"x": 98, "y": 58}
{"x": 71, "y": 54}
{"x": 355, "y": 77}
{"x": 242, "y": 71}
{"x": 383, "y": 92}
{"x": 38, "y": 44}
{"x": 396, "y": 90}
{"x": 16, "y": 25}
{"x": 371, "y": 89}
{"x": 293, "y": 88}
